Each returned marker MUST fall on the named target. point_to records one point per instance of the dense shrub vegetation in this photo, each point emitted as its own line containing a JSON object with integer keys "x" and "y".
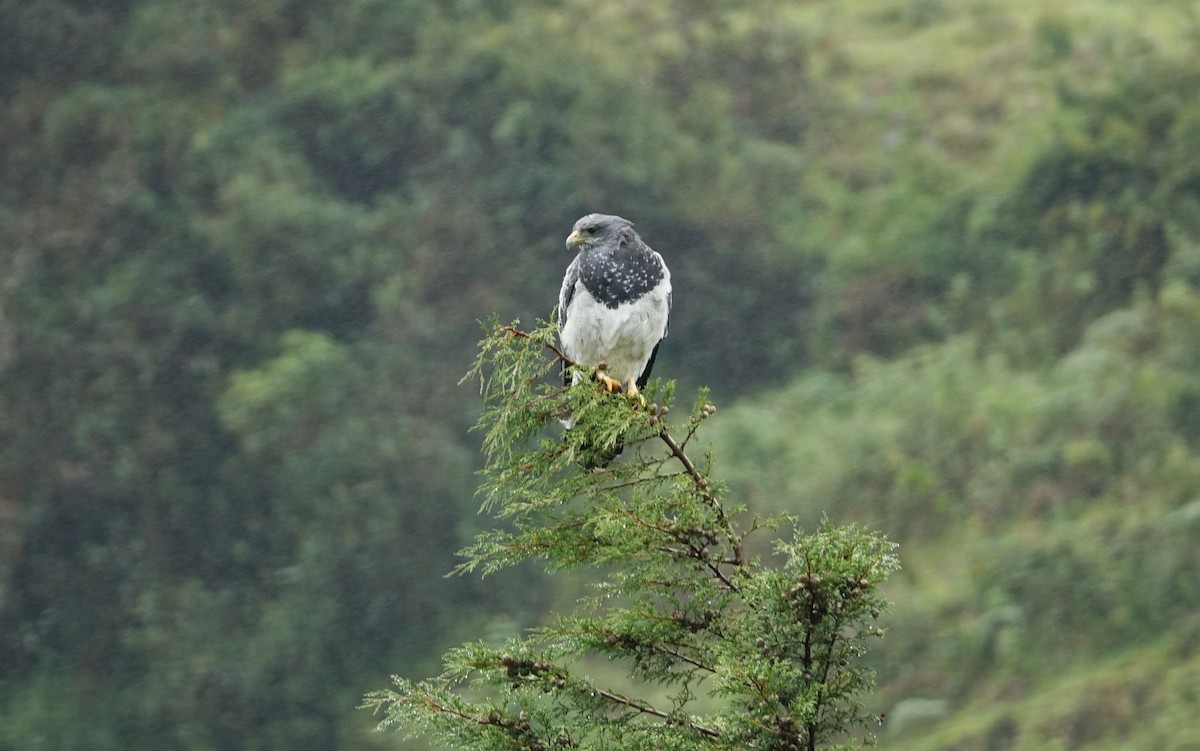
{"x": 939, "y": 263}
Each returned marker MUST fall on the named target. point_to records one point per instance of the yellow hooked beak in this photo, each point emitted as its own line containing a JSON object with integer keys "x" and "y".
{"x": 574, "y": 239}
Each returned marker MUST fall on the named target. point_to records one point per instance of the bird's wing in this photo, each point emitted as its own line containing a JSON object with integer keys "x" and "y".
{"x": 644, "y": 378}
{"x": 568, "y": 291}
{"x": 666, "y": 280}
{"x": 564, "y": 302}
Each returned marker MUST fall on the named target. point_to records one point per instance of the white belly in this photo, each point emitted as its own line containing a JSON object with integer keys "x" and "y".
{"x": 623, "y": 337}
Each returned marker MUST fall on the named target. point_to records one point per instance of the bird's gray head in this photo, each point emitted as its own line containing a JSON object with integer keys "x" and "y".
{"x": 597, "y": 229}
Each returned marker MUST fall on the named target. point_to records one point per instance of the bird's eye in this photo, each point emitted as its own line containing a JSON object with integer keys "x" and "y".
{"x": 590, "y": 230}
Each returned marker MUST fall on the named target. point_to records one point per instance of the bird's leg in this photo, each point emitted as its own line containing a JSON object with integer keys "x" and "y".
{"x": 610, "y": 384}
{"x": 632, "y": 392}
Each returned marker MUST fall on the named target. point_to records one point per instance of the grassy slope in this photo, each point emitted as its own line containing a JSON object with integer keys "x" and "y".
{"x": 965, "y": 90}
{"x": 969, "y": 89}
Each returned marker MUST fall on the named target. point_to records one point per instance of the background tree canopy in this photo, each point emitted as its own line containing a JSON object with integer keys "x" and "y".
{"x": 939, "y": 263}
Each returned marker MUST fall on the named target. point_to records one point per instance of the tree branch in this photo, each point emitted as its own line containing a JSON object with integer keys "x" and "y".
{"x": 645, "y": 708}
{"x": 702, "y": 488}
{"x": 558, "y": 353}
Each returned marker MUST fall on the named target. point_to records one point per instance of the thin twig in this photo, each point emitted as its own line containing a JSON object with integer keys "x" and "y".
{"x": 645, "y": 708}
{"x": 694, "y": 662}
{"x": 558, "y": 353}
{"x": 717, "y": 572}
{"x": 684, "y": 658}
{"x": 438, "y": 707}
{"x": 702, "y": 486}
{"x": 633, "y": 483}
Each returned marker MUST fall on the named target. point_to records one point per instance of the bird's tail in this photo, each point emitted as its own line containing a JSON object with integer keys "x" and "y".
{"x": 592, "y": 457}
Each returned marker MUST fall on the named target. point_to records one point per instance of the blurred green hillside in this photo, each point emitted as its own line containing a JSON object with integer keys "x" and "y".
{"x": 938, "y": 261}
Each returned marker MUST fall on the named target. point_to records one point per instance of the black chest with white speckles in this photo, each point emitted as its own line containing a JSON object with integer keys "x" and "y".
{"x": 621, "y": 275}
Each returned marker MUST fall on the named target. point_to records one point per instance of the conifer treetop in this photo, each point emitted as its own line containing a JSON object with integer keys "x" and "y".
{"x": 720, "y": 649}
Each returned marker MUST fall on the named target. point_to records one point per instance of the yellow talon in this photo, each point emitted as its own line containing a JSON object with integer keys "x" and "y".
{"x": 610, "y": 384}
{"x": 613, "y": 385}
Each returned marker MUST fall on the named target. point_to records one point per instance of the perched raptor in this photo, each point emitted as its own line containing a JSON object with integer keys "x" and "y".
{"x": 614, "y": 303}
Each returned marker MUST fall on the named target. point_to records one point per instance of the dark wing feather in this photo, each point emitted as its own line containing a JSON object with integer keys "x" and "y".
{"x": 564, "y": 301}
{"x": 668, "y": 326}
{"x": 645, "y": 376}
{"x": 568, "y": 290}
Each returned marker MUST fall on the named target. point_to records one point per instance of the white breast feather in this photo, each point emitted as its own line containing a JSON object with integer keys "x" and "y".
{"x": 623, "y": 337}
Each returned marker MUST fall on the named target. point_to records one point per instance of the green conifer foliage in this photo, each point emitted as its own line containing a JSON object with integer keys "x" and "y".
{"x": 722, "y": 648}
